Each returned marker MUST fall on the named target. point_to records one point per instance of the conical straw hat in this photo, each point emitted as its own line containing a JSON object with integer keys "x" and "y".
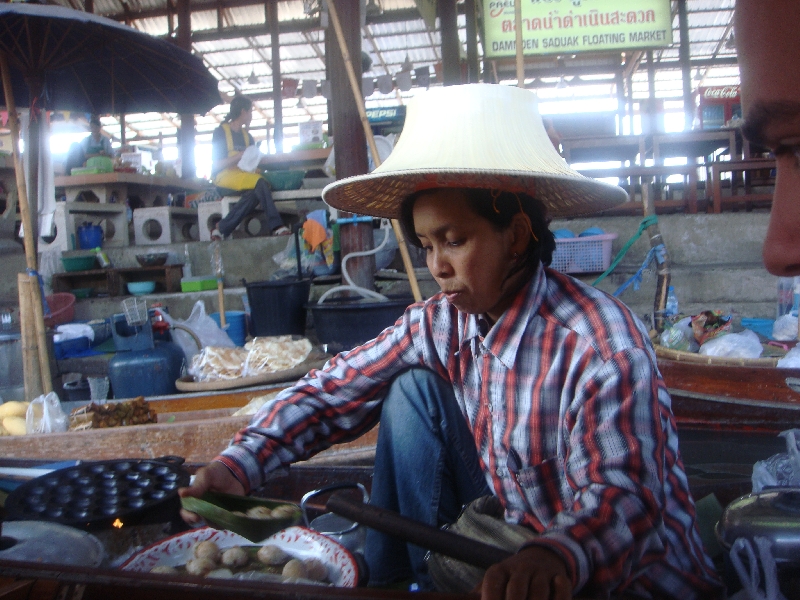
{"x": 473, "y": 136}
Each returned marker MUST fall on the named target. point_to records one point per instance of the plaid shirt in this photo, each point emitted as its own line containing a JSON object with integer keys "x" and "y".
{"x": 571, "y": 419}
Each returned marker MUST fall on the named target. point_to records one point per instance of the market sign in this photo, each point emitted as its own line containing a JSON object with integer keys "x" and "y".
{"x": 572, "y": 26}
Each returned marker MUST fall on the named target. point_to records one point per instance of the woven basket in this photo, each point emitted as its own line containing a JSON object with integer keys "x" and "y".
{"x": 721, "y": 361}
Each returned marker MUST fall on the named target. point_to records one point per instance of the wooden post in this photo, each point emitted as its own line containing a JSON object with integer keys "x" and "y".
{"x": 348, "y": 134}
{"x": 519, "y": 49}
{"x": 186, "y": 133}
{"x": 277, "y": 96}
{"x": 663, "y": 269}
{"x": 398, "y": 231}
{"x": 473, "y": 72}
{"x": 35, "y": 324}
{"x": 448, "y": 19}
{"x": 30, "y": 355}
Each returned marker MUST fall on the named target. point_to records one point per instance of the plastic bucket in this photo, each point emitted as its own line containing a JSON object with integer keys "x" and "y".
{"x": 278, "y": 307}
{"x": 345, "y": 324}
{"x": 235, "y": 325}
{"x": 90, "y": 237}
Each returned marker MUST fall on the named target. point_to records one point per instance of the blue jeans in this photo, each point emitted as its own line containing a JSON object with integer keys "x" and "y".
{"x": 261, "y": 196}
{"x": 426, "y": 468}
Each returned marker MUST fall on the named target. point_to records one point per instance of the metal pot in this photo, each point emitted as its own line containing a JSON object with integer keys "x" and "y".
{"x": 348, "y": 533}
{"x": 773, "y": 514}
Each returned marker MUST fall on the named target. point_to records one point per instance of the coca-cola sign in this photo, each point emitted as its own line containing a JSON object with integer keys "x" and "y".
{"x": 724, "y": 92}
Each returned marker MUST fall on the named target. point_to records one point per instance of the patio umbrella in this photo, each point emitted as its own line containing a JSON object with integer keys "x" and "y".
{"x": 66, "y": 59}
{"x": 57, "y": 58}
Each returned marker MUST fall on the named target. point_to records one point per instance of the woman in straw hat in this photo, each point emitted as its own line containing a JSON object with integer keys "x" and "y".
{"x": 515, "y": 382}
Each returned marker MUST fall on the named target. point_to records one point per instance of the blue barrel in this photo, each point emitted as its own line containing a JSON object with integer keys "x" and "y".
{"x": 235, "y": 325}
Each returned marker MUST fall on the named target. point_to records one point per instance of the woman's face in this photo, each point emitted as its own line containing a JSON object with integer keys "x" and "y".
{"x": 467, "y": 256}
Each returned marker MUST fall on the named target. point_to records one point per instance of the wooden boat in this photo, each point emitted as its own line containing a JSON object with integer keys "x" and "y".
{"x": 199, "y": 425}
{"x": 47, "y": 582}
{"x": 732, "y": 393}
{"x": 196, "y": 426}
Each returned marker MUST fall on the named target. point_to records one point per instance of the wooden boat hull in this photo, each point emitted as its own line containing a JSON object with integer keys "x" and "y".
{"x": 742, "y": 397}
{"x": 200, "y": 425}
{"x": 48, "y": 582}
{"x": 195, "y": 426}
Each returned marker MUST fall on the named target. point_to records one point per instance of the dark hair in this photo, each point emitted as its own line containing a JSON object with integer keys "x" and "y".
{"x": 95, "y": 120}
{"x": 238, "y": 104}
{"x": 499, "y": 209}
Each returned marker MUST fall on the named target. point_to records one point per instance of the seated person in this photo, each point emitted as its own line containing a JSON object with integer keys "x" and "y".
{"x": 227, "y": 146}
{"x": 515, "y": 384}
{"x": 94, "y": 144}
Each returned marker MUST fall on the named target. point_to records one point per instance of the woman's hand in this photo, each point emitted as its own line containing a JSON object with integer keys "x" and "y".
{"x": 534, "y": 573}
{"x": 214, "y": 477}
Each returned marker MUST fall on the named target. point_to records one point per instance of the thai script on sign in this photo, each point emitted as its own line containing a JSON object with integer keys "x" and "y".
{"x": 594, "y": 18}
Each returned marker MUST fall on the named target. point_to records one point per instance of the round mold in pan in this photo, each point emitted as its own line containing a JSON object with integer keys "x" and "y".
{"x": 95, "y": 494}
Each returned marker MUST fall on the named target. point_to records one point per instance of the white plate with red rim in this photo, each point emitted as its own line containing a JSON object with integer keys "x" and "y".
{"x": 299, "y": 542}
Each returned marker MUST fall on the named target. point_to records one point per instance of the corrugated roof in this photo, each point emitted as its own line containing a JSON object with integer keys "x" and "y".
{"x": 239, "y": 54}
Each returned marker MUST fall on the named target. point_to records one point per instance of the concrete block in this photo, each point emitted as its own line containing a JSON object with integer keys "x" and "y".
{"x": 208, "y": 214}
{"x": 164, "y": 225}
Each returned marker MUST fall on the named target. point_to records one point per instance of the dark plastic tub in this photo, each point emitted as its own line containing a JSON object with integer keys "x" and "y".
{"x": 78, "y": 391}
{"x": 278, "y": 307}
{"x": 344, "y": 324}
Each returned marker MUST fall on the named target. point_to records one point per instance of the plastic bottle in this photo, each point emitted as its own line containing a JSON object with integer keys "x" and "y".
{"x": 187, "y": 262}
{"x": 785, "y": 295}
{"x": 102, "y": 258}
{"x": 671, "y": 308}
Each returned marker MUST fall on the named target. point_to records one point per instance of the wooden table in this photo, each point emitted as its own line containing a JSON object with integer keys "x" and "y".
{"x": 693, "y": 144}
{"x": 631, "y": 148}
{"x": 151, "y": 189}
{"x": 641, "y": 175}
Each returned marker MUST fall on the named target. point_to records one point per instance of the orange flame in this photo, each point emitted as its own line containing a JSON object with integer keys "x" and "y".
{"x": 117, "y": 523}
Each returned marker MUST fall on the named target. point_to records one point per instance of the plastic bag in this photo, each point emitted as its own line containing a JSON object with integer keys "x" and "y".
{"x": 750, "y": 575}
{"x": 203, "y": 326}
{"x": 45, "y": 415}
{"x": 72, "y": 331}
{"x": 215, "y": 363}
{"x": 785, "y": 328}
{"x": 734, "y": 345}
{"x": 250, "y": 159}
{"x": 779, "y": 470}
{"x": 791, "y": 360}
{"x": 318, "y": 262}
{"x": 710, "y": 324}
{"x": 680, "y": 336}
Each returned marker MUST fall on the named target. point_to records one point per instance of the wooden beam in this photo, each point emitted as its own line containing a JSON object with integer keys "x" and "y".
{"x": 448, "y": 21}
{"x": 277, "y": 97}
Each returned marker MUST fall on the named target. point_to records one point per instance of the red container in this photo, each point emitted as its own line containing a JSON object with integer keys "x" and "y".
{"x": 62, "y": 309}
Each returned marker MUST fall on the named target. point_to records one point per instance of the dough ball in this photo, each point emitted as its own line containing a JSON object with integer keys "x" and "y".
{"x": 200, "y": 566}
{"x": 295, "y": 568}
{"x": 207, "y": 549}
{"x": 235, "y": 557}
{"x": 272, "y": 555}
{"x": 239, "y": 513}
{"x": 163, "y": 569}
{"x": 316, "y": 569}
{"x": 220, "y": 574}
{"x": 284, "y": 511}
{"x": 259, "y": 512}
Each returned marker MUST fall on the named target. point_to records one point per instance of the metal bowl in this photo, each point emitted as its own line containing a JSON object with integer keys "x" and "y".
{"x": 153, "y": 259}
